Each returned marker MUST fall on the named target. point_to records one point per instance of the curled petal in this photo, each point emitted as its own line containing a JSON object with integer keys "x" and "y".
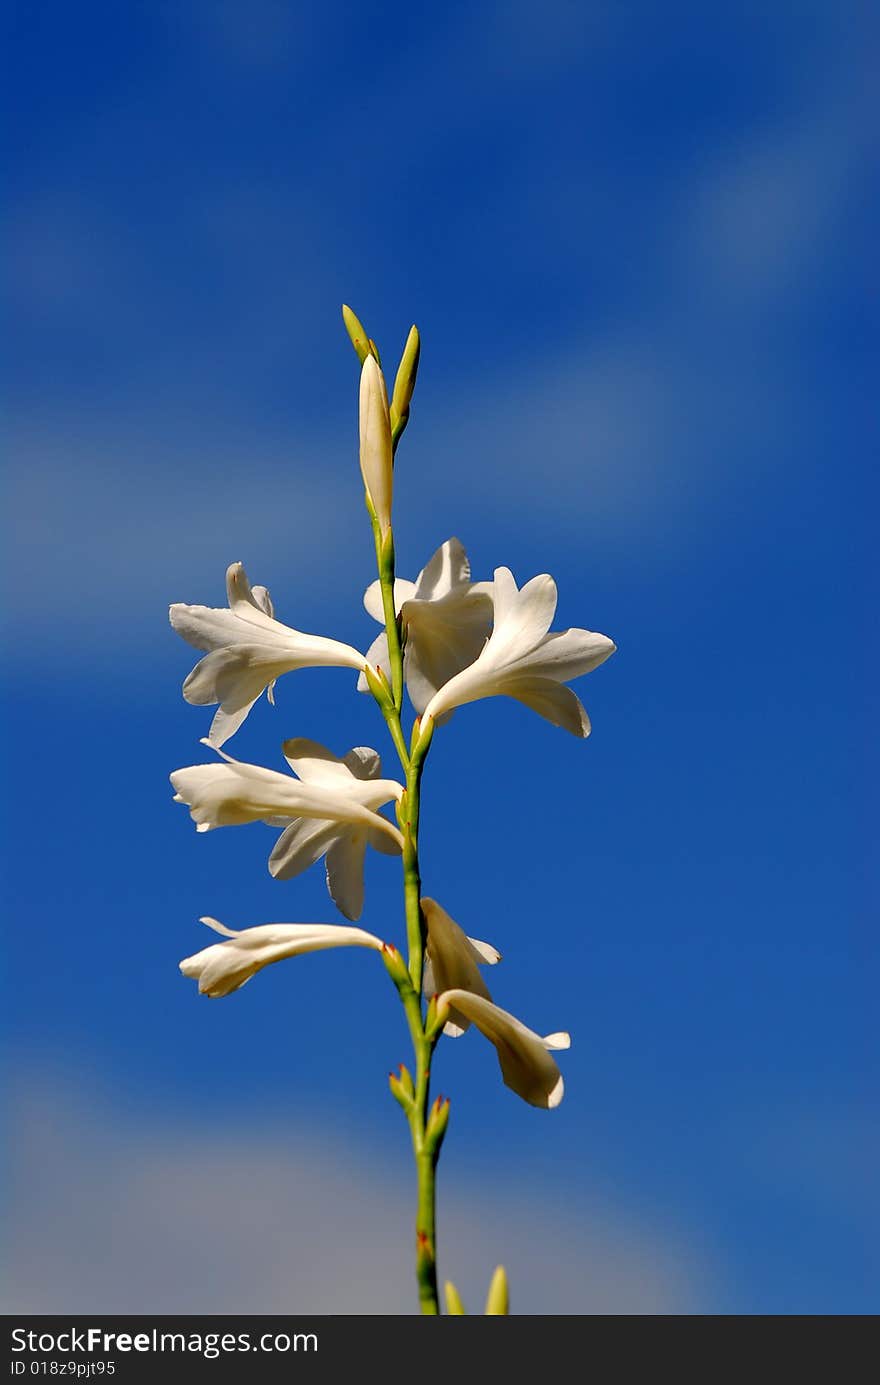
{"x": 453, "y": 961}
{"x": 526, "y": 1065}
{"x": 224, "y": 967}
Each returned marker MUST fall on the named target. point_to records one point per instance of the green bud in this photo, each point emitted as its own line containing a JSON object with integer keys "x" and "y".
{"x": 356, "y": 330}
{"x": 406, "y": 1081}
{"x": 435, "y": 1018}
{"x": 438, "y": 1119}
{"x": 405, "y": 383}
{"x": 422, "y": 735}
{"x": 399, "y": 1093}
{"x": 378, "y": 685}
{"x": 498, "y": 1302}
{"x": 454, "y": 1305}
{"x": 395, "y": 965}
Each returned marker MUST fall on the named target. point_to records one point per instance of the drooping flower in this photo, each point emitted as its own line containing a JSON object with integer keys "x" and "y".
{"x": 329, "y": 810}
{"x": 446, "y": 618}
{"x": 224, "y": 967}
{"x": 453, "y": 962}
{"x": 248, "y": 649}
{"x": 377, "y": 466}
{"x": 524, "y": 659}
{"x": 526, "y": 1065}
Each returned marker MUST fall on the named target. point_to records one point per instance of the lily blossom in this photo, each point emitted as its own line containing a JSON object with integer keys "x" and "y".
{"x": 224, "y": 967}
{"x": 377, "y": 466}
{"x": 525, "y": 659}
{"x": 329, "y": 810}
{"x": 453, "y": 961}
{"x": 446, "y": 617}
{"x": 526, "y": 1065}
{"x": 248, "y": 649}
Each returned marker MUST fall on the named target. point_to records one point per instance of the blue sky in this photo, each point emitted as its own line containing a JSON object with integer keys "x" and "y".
{"x": 636, "y": 245}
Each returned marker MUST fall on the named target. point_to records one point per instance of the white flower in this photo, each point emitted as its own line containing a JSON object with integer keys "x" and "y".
{"x": 446, "y": 618}
{"x": 526, "y": 1066}
{"x": 249, "y": 649}
{"x": 376, "y": 450}
{"x": 223, "y": 967}
{"x": 453, "y": 962}
{"x": 329, "y": 810}
{"x": 523, "y": 660}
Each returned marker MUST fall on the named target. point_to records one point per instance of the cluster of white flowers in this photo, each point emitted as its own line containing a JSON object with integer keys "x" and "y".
{"x": 462, "y": 641}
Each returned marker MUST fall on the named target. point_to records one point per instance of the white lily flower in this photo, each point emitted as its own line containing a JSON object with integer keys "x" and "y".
{"x": 526, "y": 660}
{"x": 377, "y": 467}
{"x": 453, "y": 962}
{"x": 526, "y": 1065}
{"x": 330, "y": 810}
{"x": 446, "y": 617}
{"x": 248, "y": 649}
{"x": 223, "y": 967}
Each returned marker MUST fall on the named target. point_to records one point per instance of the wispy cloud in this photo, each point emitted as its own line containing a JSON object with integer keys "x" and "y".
{"x": 121, "y": 1211}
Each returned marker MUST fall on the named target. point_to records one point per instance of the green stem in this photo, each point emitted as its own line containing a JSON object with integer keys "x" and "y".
{"x": 426, "y": 1150}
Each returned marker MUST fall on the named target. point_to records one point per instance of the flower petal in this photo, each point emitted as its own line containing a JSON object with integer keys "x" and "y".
{"x": 554, "y": 701}
{"x": 345, "y": 872}
{"x": 445, "y": 570}
{"x": 224, "y": 967}
{"x": 455, "y": 961}
{"x": 526, "y": 1066}
{"x": 403, "y": 590}
{"x": 300, "y": 845}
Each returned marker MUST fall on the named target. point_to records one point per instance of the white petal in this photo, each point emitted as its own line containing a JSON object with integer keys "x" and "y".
{"x": 447, "y": 569}
{"x": 345, "y": 873}
{"x": 229, "y": 794}
{"x": 375, "y": 440}
{"x": 454, "y": 960}
{"x": 224, "y": 967}
{"x": 567, "y": 654}
{"x": 556, "y": 703}
{"x": 557, "y": 1041}
{"x": 526, "y": 1066}
{"x": 300, "y": 845}
{"x": 403, "y": 590}
{"x": 521, "y": 618}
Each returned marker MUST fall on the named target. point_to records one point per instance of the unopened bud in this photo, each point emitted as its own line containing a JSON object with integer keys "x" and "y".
{"x": 395, "y": 965}
{"x": 375, "y": 440}
{"x": 454, "y": 1305}
{"x": 355, "y": 329}
{"x": 378, "y": 685}
{"x": 498, "y": 1302}
{"x": 405, "y": 383}
{"x": 438, "y": 1120}
{"x": 399, "y": 1092}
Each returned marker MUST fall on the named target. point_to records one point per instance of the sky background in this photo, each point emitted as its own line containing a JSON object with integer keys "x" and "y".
{"x": 636, "y": 241}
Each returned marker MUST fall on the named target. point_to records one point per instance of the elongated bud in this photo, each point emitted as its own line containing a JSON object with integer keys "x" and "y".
{"x": 378, "y": 685}
{"x": 406, "y": 1082}
{"x": 396, "y": 966}
{"x": 399, "y": 1092}
{"x": 422, "y": 735}
{"x": 454, "y": 1305}
{"x": 438, "y": 1120}
{"x": 498, "y": 1302}
{"x": 405, "y": 383}
{"x": 376, "y": 452}
{"x": 356, "y": 330}
{"x": 435, "y": 1017}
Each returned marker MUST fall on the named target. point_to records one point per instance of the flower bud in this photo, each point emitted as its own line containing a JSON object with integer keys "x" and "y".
{"x": 454, "y": 1305}
{"x": 399, "y": 1092}
{"x": 405, "y": 383}
{"x": 498, "y": 1302}
{"x": 375, "y": 436}
{"x": 395, "y": 966}
{"x": 378, "y": 685}
{"x": 355, "y": 329}
{"x": 438, "y": 1120}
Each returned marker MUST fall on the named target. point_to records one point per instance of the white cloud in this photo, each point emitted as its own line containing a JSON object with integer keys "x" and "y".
{"x": 117, "y": 1211}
